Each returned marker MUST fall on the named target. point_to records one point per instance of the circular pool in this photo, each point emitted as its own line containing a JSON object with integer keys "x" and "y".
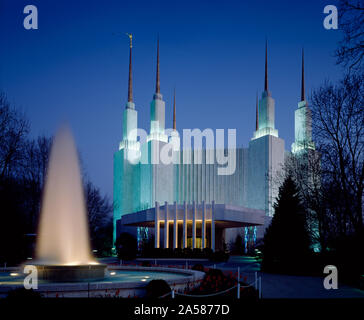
{"x": 120, "y": 281}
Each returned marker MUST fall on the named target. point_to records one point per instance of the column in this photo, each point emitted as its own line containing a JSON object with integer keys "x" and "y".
{"x": 213, "y": 225}
{"x": 166, "y": 229}
{"x": 156, "y": 225}
{"x": 175, "y": 233}
{"x": 194, "y": 226}
{"x": 185, "y": 224}
{"x": 203, "y": 225}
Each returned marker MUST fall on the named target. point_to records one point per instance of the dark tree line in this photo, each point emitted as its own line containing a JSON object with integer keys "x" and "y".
{"x": 330, "y": 184}
{"x": 338, "y": 112}
{"x": 100, "y": 219}
{"x": 330, "y": 179}
{"x": 338, "y": 128}
{"x": 23, "y": 165}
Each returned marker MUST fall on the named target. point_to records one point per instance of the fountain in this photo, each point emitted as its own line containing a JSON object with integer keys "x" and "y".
{"x": 64, "y": 261}
{"x": 63, "y": 248}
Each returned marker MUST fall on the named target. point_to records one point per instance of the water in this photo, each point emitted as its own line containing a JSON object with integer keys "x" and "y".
{"x": 17, "y": 278}
{"x": 63, "y": 237}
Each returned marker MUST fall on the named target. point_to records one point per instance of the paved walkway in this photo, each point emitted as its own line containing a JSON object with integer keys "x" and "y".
{"x": 274, "y": 285}
{"x": 283, "y": 286}
{"x": 286, "y": 286}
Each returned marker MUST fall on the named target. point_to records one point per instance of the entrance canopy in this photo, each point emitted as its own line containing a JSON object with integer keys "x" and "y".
{"x": 202, "y": 222}
{"x": 226, "y": 216}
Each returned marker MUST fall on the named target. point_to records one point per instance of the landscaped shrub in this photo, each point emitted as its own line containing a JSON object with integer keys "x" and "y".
{"x": 219, "y": 256}
{"x": 178, "y": 253}
{"x": 146, "y": 264}
{"x": 187, "y": 252}
{"x": 157, "y": 288}
{"x": 217, "y": 273}
{"x": 198, "y": 267}
{"x": 168, "y": 252}
{"x": 196, "y": 253}
{"x": 207, "y": 252}
{"x": 126, "y": 246}
{"x": 237, "y": 246}
{"x": 215, "y": 281}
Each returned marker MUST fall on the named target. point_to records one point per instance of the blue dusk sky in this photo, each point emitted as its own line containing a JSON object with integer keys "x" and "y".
{"x": 75, "y": 68}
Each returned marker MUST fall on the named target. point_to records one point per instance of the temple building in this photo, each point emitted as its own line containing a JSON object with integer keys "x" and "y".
{"x": 187, "y": 202}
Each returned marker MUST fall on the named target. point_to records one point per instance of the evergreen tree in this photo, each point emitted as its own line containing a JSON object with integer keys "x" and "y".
{"x": 286, "y": 241}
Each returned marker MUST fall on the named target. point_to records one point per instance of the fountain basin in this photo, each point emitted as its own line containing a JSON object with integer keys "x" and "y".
{"x": 127, "y": 282}
{"x": 71, "y": 273}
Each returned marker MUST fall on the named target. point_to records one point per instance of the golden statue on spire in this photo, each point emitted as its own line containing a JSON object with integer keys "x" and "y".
{"x": 131, "y": 39}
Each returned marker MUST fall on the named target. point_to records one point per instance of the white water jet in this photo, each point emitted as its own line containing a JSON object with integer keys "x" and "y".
{"x": 63, "y": 236}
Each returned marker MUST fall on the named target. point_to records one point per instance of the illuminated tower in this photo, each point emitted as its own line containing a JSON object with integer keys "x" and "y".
{"x": 174, "y": 135}
{"x": 157, "y": 109}
{"x": 303, "y": 148}
{"x": 265, "y": 155}
{"x": 175, "y": 142}
{"x": 156, "y": 177}
{"x": 126, "y": 159}
{"x": 302, "y": 121}
{"x": 130, "y": 119}
{"x": 266, "y": 115}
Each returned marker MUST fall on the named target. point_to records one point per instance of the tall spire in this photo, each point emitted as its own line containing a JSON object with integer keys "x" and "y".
{"x": 130, "y": 87}
{"x": 157, "y": 87}
{"x": 256, "y": 114}
{"x": 266, "y": 66}
{"x": 174, "y": 110}
{"x": 303, "y": 78}
{"x": 265, "y": 112}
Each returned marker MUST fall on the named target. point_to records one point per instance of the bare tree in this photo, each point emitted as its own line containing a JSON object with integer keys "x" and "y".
{"x": 351, "y": 20}
{"x": 338, "y": 123}
{"x": 331, "y": 179}
{"x": 14, "y": 129}
{"x": 100, "y": 217}
{"x": 23, "y": 165}
{"x": 36, "y": 153}
{"x": 33, "y": 173}
{"x": 305, "y": 170}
